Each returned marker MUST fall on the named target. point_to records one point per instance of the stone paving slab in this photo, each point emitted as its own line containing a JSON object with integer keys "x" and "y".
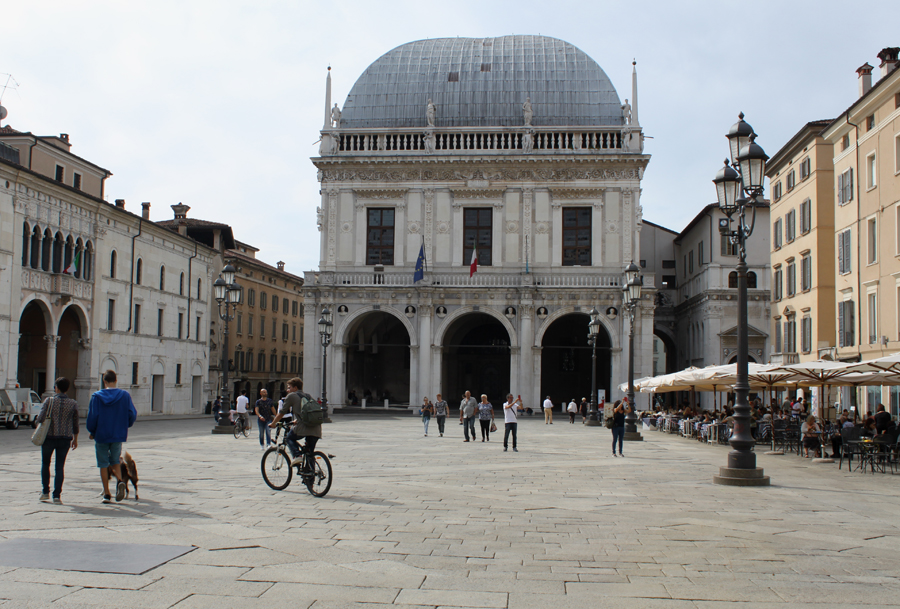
{"x": 469, "y": 526}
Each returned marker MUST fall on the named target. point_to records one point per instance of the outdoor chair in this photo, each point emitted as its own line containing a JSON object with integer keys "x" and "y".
{"x": 849, "y": 444}
{"x": 779, "y": 429}
{"x": 763, "y": 432}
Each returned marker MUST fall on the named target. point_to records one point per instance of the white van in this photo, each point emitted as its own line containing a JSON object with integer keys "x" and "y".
{"x": 19, "y": 406}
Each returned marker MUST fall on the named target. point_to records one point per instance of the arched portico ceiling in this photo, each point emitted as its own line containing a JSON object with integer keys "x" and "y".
{"x": 80, "y": 314}
{"x": 41, "y": 303}
{"x": 448, "y": 322}
{"x": 340, "y": 336}
{"x": 556, "y": 315}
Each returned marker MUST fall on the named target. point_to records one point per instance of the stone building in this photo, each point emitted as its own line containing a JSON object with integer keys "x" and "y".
{"x": 88, "y": 286}
{"x": 516, "y": 150}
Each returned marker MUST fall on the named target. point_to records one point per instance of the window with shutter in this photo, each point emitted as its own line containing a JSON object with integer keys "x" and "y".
{"x": 777, "y": 336}
{"x": 805, "y": 217}
{"x": 842, "y": 322}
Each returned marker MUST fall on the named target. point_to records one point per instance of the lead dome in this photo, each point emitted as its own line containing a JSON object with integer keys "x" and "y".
{"x": 483, "y": 82}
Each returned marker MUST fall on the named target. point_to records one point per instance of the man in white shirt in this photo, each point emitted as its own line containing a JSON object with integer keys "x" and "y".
{"x": 512, "y": 421}
{"x": 548, "y": 411}
{"x": 242, "y": 403}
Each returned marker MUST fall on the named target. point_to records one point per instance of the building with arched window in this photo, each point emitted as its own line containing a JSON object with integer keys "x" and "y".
{"x": 514, "y": 151}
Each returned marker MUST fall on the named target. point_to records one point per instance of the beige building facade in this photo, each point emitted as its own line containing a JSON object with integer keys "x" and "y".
{"x": 802, "y": 242}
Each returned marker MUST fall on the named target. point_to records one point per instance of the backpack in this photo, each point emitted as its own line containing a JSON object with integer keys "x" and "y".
{"x": 310, "y": 411}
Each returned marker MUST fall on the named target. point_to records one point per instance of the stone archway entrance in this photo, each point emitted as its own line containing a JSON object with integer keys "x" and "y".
{"x": 377, "y": 359}
{"x": 32, "y": 364}
{"x": 69, "y": 349}
{"x": 566, "y": 360}
{"x": 476, "y": 357}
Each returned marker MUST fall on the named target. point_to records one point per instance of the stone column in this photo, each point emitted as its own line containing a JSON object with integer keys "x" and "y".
{"x": 526, "y": 355}
{"x": 426, "y": 381}
{"x": 337, "y": 389}
{"x": 535, "y": 400}
{"x": 52, "y": 341}
{"x": 12, "y": 360}
{"x": 436, "y": 374}
{"x": 414, "y": 398}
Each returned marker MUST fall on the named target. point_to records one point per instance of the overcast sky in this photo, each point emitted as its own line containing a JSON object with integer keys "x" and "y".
{"x": 218, "y": 104}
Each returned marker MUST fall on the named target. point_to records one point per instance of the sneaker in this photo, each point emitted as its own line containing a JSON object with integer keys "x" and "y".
{"x": 57, "y": 501}
{"x": 106, "y": 499}
{"x": 504, "y": 449}
{"x": 120, "y": 490}
{"x": 515, "y": 450}
{"x": 614, "y": 454}
{"x": 297, "y": 461}
{"x": 442, "y": 435}
{"x": 621, "y": 455}
{"x": 45, "y": 497}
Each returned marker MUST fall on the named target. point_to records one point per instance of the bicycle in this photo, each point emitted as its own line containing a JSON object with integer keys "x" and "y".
{"x": 241, "y": 427}
{"x": 316, "y": 474}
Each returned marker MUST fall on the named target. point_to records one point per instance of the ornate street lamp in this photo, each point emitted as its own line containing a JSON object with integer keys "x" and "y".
{"x": 739, "y": 188}
{"x": 593, "y": 333}
{"x": 325, "y": 328}
{"x": 228, "y": 293}
{"x": 631, "y": 295}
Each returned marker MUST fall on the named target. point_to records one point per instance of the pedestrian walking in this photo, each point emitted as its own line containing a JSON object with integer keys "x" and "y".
{"x": 467, "y": 414}
{"x": 548, "y": 411}
{"x": 583, "y": 409}
{"x": 217, "y": 408}
{"x": 242, "y": 403}
{"x": 618, "y": 427}
{"x": 572, "y": 409}
{"x": 62, "y": 435}
{"x": 485, "y": 418}
{"x": 264, "y": 409}
{"x": 110, "y": 414}
{"x": 511, "y": 420}
{"x": 441, "y": 408}
{"x": 427, "y": 411}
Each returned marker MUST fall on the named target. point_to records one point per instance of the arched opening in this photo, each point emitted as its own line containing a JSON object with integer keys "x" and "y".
{"x": 139, "y": 271}
{"x": 181, "y": 285}
{"x": 26, "y": 244}
{"x": 46, "y": 248}
{"x": 751, "y": 280}
{"x": 732, "y": 279}
{"x": 36, "y": 248}
{"x": 566, "y": 359}
{"x": 162, "y": 278}
{"x": 68, "y": 350}
{"x": 476, "y": 358}
{"x": 78, "y": 271}
{"x": 88, "y": 262}
{"x": 198, "y": 289}
{"x": 112, "y": 264}
{"x": 33, "y": 324}
{"x": 259, "y": 388}
{"x": 68, "y": 252}
{"x": 377, "y": 348}
{"x": 281, "y": 393}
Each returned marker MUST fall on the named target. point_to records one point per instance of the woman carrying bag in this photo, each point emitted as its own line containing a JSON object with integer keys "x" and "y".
{"x": 62, "y": 433}
{"x": 427, "y": 411}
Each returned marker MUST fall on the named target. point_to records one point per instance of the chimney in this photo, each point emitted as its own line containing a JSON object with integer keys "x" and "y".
{"x": 181, "y": 211}
{"x": 145, "y": 212}
{"x": 865, "y": 78}
{"x": 280, "y": 265}
{"x": 888, "y": 57}
{"x": 120, "y": 203}
{"x": 64, "y": 137}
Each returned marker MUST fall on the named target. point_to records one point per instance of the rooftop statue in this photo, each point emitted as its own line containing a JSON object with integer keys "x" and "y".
{"x": 528, "y": 141}
{"x": 429, "y": 113}
{"x": 626, "y": 112}
{"x": 336, "y": 116}
{"x": 527, "y": 111}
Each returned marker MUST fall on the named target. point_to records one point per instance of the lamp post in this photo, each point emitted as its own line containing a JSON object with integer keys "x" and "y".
{"x": 593, "y": 332}
{"x": 228, "y": 293}
{"x": 631, "y": 296}
{"x": 739, "y": 188}
{"x": 325, "y": 327}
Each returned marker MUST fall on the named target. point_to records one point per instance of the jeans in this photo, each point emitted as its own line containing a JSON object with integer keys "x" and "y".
{"x": 485, "y": 429}
{"x": 469, "y": 424}
{"x": 61, "y": 447}
{"x": 309, "y": 445}
{"x": 264, "y": 429}
{"x": 513, "y": 428}
{"x": 618, "y": 434}
{"x": 426, "y": 421}
{"x": 440, "y": 421}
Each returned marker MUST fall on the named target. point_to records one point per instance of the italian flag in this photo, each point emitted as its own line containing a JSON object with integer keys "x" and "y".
{"x": 73, "y": 267}
{"x": 474, "y": 265}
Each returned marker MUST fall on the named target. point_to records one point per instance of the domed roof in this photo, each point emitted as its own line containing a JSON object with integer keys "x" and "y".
{"x": 483, "y": 82}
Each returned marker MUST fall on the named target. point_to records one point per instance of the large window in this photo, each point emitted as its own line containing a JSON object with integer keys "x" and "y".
{"x": 844, "y": 253}
{"x": 776, "y": 191}
{"x": 777, "y": 286}
{"x": 805, "y": 273}
{"x": 778, "y": 341}
{"x": 790, "y": 335}
{"x": 805, "y": 217}
{"x": 872, "y": 299}
{"x": 845, "y": 187}
{"x": 791, "y": 279}
{"x": 804, "y": 168}
{"x": 777, "y": 234}
{"x": 806, "y": 334}
{"x": 576, "y": 236}
{"x": 728, "y": 248}
{"x": 111, "y": 315}
{"x": 477, "y": 229}
{"x": 791, "y": 180}
{"x": 274, "y": 303}
{"x": 871, "y": 180}
{"x": 846, "y": 323}
{"x": 790, "y": 226}
{"x": 380, "y": 236}
{"x": 872, "y": 241}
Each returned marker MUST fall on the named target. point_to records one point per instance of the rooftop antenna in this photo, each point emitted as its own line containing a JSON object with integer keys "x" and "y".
{"x": 6, "y": 85}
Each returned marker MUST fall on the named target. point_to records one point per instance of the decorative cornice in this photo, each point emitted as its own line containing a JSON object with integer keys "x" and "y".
{"x": 477, "y": 193}
{"x": 379, "y": 193}
{"x": 577, "y": 193}
{"x": 450, "y": 173}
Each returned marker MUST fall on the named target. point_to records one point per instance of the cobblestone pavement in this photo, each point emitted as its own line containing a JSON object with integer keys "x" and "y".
{"x": 435, "y": 522}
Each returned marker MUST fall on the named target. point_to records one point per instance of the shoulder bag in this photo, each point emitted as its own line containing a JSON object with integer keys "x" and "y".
{"x": 43, "y": 428}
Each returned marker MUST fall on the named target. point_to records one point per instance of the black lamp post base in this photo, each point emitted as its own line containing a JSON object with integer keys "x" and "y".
{"x": 593, "y": 423}
{"x": 224, "y": 426}
{"x": 633, "y": 436}
{"x": 741, "y": 477}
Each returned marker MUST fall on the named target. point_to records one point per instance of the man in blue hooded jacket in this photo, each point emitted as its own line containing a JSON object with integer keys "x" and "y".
{"x": 110, "y": 414}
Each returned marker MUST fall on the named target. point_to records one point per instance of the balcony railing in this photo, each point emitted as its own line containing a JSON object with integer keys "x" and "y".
{"x": 8, "y": 153}
{"x": 480, "y": 279}
{"x": 479, "y": 140}
{"x": 57, "y": 283}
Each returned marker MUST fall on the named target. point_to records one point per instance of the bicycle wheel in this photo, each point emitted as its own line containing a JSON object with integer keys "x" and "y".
{"x": 238, "y": 426}
{"x": 276, "y": 469}
{"x": 319, "y": 482}
{"x": 246, "y": 430}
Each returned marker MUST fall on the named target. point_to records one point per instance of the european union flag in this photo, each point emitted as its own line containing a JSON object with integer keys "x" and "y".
{"x": 420, "y": 265}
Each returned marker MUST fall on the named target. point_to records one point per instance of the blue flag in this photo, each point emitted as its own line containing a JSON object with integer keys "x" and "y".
{"x": 420, "y": 265}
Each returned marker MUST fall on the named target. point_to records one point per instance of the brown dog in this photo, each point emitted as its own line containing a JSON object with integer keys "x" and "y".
{"x": 128, "y": 469}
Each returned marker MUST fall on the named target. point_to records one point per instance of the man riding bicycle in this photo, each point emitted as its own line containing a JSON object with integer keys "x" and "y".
{"x": 309, "y": 433}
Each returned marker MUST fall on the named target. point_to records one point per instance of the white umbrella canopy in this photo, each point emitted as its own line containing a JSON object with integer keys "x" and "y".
{"x": 818, "y": 371}
{"x": 888, "y": 363}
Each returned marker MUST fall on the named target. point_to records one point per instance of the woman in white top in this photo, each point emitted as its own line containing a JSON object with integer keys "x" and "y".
{"x": 512, "y": 421}
{"x": 809, "y": 433}
{"x": 572, "y": 408}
